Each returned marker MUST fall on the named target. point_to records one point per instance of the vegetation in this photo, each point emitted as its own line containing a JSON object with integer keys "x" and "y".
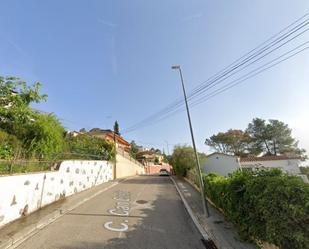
{"x": 305, "y": 171}
{"x": 269, "y": 138}
{"x": 40, "y": 135}
{"x": 87, "y": 147}
{"x": 183, "y": 159}
{"x": 116, "y": 128}
{"x": 266, "y": 205}
{"x": 133, "y": 149}
{"x": 27, "y": 134}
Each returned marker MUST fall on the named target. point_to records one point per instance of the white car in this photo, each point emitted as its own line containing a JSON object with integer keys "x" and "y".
{"x": 164, "y": 172}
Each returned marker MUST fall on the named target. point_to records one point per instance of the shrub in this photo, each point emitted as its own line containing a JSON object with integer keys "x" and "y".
{"x": 43, "y": 137}
{"x": 266, "y": 205}
{"x": 10, "y": 146}
{"x": 87, "y": 147}
{"x": 183, "y": 159}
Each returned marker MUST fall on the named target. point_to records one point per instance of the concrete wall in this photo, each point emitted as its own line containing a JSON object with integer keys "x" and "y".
{"x": 220, "y": 164}
{"x": 128, "y": 167}
{"x": 25, "y": 193}
{"x": 151, "y": 168}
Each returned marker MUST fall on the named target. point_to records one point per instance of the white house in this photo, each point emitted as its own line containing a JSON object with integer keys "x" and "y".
{"x": 223, "y": 164}
{"x": 220, "y": 164}
{"x": 287, "y": 164}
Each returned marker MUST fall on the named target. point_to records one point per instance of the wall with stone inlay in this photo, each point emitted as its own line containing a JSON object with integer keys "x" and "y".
{"x": 25, "y": 193}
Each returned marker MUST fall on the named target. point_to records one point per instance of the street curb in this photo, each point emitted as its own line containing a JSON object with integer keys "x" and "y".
{"x": 20, "y": 237}
{"x": 190, "y": 212}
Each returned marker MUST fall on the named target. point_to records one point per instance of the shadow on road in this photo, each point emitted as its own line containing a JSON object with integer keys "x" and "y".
{"x": 161, "y": 224}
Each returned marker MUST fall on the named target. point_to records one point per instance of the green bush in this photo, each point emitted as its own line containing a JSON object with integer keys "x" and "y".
{"x": 43, "y": 138}
{"x": 87, "y": 147}
{"x": 10, "y": 146}
{"x": 266, "y": 205}
{"x": 183, "y": 159}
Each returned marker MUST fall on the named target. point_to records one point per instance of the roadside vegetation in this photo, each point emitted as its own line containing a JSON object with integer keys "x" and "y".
{"x": 27, "y": 134}
{"x": 264, "y": 205}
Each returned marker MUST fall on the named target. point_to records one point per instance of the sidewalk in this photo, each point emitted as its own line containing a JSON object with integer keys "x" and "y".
{"x": 17, "y": 231}
{"x": 222, "y": 232}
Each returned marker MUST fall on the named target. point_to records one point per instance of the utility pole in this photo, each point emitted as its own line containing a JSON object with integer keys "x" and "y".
{"x": 204, "y": 203}
{"x": 168, "y": 151}
{"x": 115, "y": 155}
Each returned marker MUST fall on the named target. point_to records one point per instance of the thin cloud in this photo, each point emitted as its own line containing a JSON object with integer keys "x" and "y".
{"x": 114, "y": 58}
{"x": 106, "y": 23}
{"x": 192, "y": 17}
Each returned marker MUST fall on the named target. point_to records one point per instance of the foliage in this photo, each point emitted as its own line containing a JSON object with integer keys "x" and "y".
{"x": 43, "y": 137}
{"x": 183, "y": 159}
{"x": 10, "y": 146}
{"x": 273, "y": 138}
{"x": 87, "y": 147}
{"x": 235, "y": 142}
{"x": 116, "y": 128}
{"x": 305, "y": 171}
{"x": 133, "y": 149}
{"x": 266, "y": 205}
{"x": 15, "y": 97}
{"x": 269, "y": 138}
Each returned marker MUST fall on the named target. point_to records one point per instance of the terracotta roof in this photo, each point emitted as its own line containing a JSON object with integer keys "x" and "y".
{"x": 267, "y": 158}
{"x": 110, "y": 134}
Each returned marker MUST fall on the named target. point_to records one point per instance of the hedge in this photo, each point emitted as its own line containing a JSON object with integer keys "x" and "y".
{"x": 265, "y": 206}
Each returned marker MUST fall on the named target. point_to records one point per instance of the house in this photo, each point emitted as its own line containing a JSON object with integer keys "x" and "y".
{"x": 221, "y": 164}
{"x": 110, "y": 136}
{"x": 287, "y": 164}
{"x": 150, "y": 156}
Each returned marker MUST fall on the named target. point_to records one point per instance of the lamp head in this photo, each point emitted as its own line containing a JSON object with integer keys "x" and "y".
{"x": 175, "y": 67}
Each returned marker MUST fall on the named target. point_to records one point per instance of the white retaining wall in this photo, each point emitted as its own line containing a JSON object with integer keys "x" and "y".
{"x": 23, "y": 194}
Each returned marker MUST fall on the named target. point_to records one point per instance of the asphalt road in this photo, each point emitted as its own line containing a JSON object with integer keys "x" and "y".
{"x": 143, "y": 212}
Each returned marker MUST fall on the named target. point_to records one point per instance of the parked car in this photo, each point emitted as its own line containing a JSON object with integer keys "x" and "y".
{"x": 164, "y": 172}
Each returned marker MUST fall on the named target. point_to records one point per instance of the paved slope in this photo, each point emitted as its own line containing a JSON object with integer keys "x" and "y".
{"x": 156, "y": 220}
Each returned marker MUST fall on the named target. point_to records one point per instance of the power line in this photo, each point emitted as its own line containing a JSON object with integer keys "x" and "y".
{"x": 243, "y": 78}
{"x": 231, "y": 69}
{"x": 203, "y": 87}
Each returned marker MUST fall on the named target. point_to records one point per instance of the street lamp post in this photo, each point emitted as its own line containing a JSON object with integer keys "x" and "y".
{"x": 205, "y": 206}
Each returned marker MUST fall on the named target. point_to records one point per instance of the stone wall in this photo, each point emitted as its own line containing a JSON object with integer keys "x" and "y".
{"x": 25, "y": 193}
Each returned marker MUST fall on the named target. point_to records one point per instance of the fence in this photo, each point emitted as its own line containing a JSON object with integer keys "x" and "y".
{"x": 127, "y": 155}
{"x": 26, "y": 166}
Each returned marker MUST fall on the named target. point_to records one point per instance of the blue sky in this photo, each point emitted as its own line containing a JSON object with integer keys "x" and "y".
{"x": 105, "y": 60}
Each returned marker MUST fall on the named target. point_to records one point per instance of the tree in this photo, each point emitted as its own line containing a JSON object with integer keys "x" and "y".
{"x": 15, "y": 98}
{"x": 273, "y": 138}
{"x": 133, "y": 149}
{"x": 183, "y": 159}
{"x": 116, "y": 128}
{"x": 41, "y": 135}
{"x": 83, "y": 130}
{"x": 234, "y": 142}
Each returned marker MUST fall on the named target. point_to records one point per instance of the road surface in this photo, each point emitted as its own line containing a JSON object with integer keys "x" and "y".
{"x": 143, "y": 212}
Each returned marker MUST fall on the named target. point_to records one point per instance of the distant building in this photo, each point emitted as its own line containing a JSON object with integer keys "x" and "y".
{"x": 150, "y": 156}
{"x": 109, "y": 135}
{"x": 73, "y": 133}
